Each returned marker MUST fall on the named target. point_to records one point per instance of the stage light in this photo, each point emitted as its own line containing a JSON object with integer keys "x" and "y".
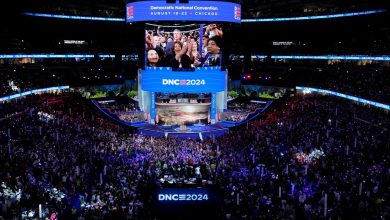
{"x": 248, "y": 76}
{"x": 189, "y": 109}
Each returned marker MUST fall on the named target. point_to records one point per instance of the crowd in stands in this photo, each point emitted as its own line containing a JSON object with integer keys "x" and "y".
{"x": 101, "y": 8}
{"x": 239, "y": 111}
{"x": 128, "y": 112}
{"x": 233, "y": 116}
{"x": 133, "y": 117}
{"x": 244, "y": 108}
{"x": 269, "y": 8}
{"x": 80, "y": 166}
{"x": 18, "y": 78}
{"x": 10, "y": 83}
{"x": 371, "y": 83}
{"x": 118, "y": 108}
{"x": 367, "y": 80}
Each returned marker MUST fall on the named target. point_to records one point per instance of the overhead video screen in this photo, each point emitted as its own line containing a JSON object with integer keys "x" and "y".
{"x": 187, "y": 46}
{"x": 193, "y": 11}
{"x": 173, "y": 114}
{"x": 200, "y": 80}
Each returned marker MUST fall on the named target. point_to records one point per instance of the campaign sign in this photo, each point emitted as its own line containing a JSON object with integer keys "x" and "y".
{"x": 187, "y": 203}
{"x": 192, "y": 11}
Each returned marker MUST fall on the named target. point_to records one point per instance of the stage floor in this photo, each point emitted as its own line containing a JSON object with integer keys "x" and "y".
{"x": 195, "y": 131}
{"x": 192, "y": 131}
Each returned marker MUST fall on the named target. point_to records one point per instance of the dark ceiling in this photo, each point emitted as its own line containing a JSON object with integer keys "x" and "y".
{"x": 43, "y": 34}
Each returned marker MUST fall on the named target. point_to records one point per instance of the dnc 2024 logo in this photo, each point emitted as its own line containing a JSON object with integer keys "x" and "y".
{"x": 130, "y": 12}
{"x": 183, "y": 82}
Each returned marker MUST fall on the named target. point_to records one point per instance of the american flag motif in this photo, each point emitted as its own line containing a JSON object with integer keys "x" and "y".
{"x": 237, "y": 13}
{"x": 130, "y": 12}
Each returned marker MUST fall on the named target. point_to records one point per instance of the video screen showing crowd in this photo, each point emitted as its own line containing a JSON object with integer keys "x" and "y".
{"x": 184, "y": 47}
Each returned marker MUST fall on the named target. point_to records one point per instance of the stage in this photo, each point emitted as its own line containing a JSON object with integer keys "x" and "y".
{"x": 199, "y": 130}
{"x": 191, "y": 131}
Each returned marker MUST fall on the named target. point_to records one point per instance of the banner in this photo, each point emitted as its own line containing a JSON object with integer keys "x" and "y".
{"x": 213, "y": 107}
{"x": 192, "y": 11}
{"x": 201, "y": 80}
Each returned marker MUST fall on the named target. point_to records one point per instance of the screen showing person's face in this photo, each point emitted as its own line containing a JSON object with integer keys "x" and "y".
{"x": 212, "y": 47}
{"x": 177, "y": 48}
{"x": 204, "y": 41}
{"x": 163, "y": 40}
{"x": 152, "y": 58}
{"x": 156, "y": 40}
{"x": 177, "y": 35}
{"x": 193, "y": 44}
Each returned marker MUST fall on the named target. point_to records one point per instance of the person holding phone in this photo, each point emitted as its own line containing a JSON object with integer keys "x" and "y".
{"x": 213, "y": 30}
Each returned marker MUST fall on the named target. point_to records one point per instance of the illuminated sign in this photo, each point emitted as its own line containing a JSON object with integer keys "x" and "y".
{"x": 333, "y": 57}
{"x": 65, "y": 56}
{"x": 282, "y": 43}
{"x": 163, "y": 79}
{"x": 75, "y": 42}
{"x": 192, "y": 11}
{"x": 183, "y": 197}
{"x": 325, "y": 57}
{"x": 74, "y": 17}
{"x": 353, "y": 98}
{"x": 314, "y": 16}
{"x": 184, "y": 82}
{"x": 213, "y": 107}
{"x": 10, "y": 97}
{"x": 42, "y": 56}
{"x": 187, "y": 203}
{"x": 237, "y": 15}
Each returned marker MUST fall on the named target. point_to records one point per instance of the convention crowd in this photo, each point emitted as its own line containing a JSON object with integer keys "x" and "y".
{"x": 308, "y": 157}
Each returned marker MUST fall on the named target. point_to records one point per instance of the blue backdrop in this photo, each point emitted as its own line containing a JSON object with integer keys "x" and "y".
{"x": 200, "y": 81}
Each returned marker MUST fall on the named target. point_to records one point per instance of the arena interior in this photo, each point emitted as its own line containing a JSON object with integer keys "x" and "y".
{"x": 186, "y": 109}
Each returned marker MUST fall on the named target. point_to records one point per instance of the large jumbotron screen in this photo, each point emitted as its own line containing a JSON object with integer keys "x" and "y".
{"x": 183, "y": 57}
{"x": 191, "y": 113}
{"x": 185, "y": 46}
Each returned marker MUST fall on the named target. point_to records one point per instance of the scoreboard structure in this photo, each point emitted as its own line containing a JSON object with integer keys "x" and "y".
{"x": 184, "y": 80}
